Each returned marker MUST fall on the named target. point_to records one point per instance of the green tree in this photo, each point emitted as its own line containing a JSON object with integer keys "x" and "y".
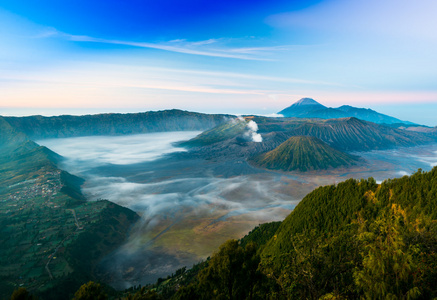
{"x": 188, "y": 292}
{"x": 388, "y": 265}
{"x": 21, "y": 294}
{"x": 90, "y": 291}
{"x": 144, "y": 295}
{"x": 232, "y": 273}
{"x": 219, "y": 279}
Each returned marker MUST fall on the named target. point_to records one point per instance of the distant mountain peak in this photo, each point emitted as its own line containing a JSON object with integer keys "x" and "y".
{"x": 309, "y": 108}
{"x": 307, "y": 101}
{"x": 301, "y": 106}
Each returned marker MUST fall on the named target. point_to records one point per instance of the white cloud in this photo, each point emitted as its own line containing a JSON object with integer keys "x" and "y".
{"x": 210, "y": 47}
{"x": 274, "y": 115}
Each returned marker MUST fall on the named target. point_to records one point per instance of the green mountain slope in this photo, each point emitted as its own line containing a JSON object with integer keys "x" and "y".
{"x": 358, "y": 233}
{"x": 50, "y": 237}
{"x": 357, "y": 239}
{"x": 10, "y": 138}
{"x": 304, "y": 153}
{"x": 20, "y": 158}
{"x": 39, "y": 127}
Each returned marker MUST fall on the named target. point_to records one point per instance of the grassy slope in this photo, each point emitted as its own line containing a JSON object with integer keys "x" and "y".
{"x": 304, "y": 153}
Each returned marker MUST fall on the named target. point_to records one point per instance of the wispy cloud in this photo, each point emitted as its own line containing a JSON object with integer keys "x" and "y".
{"x": 247, "y": 76}
{"x": 210, "y": 47}
{"x": 272, "y": 49}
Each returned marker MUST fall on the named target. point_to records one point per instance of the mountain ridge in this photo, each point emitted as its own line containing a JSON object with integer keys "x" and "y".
{"x": 317, "y": 110}
{"x": 39, "y": 127}
{"x": 352, "y": 134}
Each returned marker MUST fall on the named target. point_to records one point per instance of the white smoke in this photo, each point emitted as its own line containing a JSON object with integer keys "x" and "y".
{"x": 252, "y": 132}
{"x": 252, "y": 126}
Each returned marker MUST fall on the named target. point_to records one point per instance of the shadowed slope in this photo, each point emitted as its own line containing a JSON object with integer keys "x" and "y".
{"x": 352, "y": 134}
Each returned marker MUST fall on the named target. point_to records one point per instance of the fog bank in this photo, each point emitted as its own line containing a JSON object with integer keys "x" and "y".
{"x": 190, "y": 205}
{"x": 174, "y": 195}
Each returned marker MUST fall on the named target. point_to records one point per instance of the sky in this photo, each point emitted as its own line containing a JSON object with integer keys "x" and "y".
{"x": 239, "y": 57}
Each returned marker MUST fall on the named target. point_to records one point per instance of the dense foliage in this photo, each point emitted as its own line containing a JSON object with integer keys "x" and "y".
{"x": 90, "y": 291}
{"x": 261, "y": 234}
{"x": 357, "y": 239}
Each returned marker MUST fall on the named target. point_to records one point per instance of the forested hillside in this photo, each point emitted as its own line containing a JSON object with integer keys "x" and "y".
{"x": 357, "y": 239}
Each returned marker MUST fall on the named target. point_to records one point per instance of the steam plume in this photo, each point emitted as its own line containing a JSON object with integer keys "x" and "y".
{"x": 252, "y": 129}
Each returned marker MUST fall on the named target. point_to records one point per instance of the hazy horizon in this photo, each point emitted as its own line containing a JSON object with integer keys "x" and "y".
{"x": 407, "y": 112}
{"x": 239, "y": 57}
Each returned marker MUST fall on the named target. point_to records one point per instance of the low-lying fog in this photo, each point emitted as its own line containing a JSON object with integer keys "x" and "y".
{"x": 398, "y": 162}
{"x": 179, "y": 199}
{"x": 190, "y": 206}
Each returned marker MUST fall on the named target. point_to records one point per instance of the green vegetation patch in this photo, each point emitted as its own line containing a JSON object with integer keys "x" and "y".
{"x": 304, "y": 153}
{"x": 50, "y": 238}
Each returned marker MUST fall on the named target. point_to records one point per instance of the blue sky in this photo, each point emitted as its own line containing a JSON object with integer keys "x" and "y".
{"x": 227, "y": 56}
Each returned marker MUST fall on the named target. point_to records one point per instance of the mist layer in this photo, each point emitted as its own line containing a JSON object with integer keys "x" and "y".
{"x": 188, "y": 206}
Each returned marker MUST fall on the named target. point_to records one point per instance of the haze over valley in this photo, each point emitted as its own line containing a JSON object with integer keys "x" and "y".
{"x": 186, "y": 192}
{"x": 191, "y": 200}
{"x": 180, "y": 199}
{"x": 186, "y": 149}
